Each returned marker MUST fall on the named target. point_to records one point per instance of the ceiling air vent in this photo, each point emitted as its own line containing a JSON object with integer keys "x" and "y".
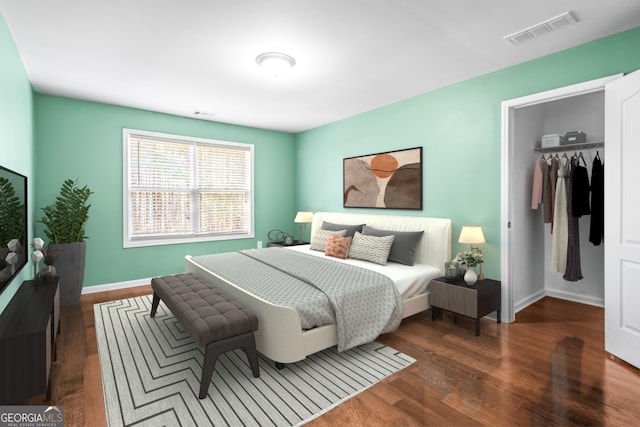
{"x": 545, "y": 27}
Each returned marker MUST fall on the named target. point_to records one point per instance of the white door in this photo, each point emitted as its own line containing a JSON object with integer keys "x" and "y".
{"x": 622, "y": 214}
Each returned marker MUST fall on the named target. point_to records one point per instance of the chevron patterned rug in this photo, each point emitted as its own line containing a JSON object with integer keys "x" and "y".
{"x": 151, "y": 375}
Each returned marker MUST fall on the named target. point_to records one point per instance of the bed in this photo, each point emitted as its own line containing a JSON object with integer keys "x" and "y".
{"x": 280, "y": 336}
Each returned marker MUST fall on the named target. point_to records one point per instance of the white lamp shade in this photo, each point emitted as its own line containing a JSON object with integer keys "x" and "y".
{"x": 471, "y": 234}
{"x": 304, "y": 217}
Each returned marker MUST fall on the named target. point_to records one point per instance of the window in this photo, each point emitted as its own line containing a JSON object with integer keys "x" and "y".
{"x": 179, "y": 189}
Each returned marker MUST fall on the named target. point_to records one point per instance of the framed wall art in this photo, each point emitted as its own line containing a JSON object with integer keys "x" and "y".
{"x": 391, "y": 180}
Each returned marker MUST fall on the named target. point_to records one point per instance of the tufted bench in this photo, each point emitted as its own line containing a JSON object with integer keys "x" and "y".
{"x": 213, "y": 320}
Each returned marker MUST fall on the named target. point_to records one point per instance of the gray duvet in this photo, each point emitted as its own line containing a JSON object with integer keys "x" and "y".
{"x": 362, "y": 303}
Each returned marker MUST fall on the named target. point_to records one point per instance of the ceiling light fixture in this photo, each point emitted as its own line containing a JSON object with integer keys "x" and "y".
{"x": 275, "y": 63}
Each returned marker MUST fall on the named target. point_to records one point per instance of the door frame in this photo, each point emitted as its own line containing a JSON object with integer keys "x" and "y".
{"x": 508, "y": 142}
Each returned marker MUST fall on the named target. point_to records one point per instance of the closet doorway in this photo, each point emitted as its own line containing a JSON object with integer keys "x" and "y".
{"x": 527, "y": 275}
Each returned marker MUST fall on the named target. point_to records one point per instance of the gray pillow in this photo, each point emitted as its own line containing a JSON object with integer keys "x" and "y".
{"x": 404, "y": 245}
{"x": 351, "y": 229}
{"x": 321, "y": 237}
{"x": 370, "y": 248}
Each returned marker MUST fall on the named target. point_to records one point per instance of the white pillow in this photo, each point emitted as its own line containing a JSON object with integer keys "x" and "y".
{"x": 321, "y": 237}
{"x": 371, "y": 248}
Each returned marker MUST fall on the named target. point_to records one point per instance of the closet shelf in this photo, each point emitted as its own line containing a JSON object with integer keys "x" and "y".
{"x": 569, "y": 147}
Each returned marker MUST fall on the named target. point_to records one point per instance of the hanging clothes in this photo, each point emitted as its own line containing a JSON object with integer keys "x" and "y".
{"x": 536, "y": 188}
{"x": 553, "y": 177}
{"x": 546, "y": 191}
{"x": 560, "y": 235}
{"x": 596, "y": 230}
{"x": 573, "y": 272}
{"x": 580, "y": 188}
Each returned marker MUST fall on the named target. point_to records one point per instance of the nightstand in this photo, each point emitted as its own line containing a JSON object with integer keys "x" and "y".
{"x": 282, "y": 245}
{"x": 474, "y": 301}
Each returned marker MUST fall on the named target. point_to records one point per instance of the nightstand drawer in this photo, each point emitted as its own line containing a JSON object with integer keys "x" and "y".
{"x": 454, "y": 298}
{"x": 474, "y": 301}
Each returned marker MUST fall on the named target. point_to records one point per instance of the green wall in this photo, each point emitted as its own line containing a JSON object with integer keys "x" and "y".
{"x": 16, "y": 135}
{"x": 459, "y": 127}
{"x": 83, "y": 140}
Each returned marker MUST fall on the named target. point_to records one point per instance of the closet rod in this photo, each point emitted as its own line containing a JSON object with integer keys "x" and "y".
{"x": 569, "y": 147}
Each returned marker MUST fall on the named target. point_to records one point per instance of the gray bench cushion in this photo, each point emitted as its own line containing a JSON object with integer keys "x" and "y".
{"x": 202, "y": 310}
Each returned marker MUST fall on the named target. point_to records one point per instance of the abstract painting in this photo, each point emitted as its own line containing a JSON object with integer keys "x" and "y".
{"x": 391, "y": 180}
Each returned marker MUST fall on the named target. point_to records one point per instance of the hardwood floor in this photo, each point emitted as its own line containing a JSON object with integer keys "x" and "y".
{"x": 547, "y": 368}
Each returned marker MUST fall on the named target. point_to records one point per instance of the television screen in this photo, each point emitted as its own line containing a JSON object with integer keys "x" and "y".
{"x": 13, "y": 225}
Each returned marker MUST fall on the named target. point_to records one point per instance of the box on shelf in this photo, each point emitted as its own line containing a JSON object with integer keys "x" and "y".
{"x": 575, "y": 137}
{"x": 552, "y": 140}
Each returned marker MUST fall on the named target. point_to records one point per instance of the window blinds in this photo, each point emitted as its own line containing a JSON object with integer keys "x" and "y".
{"x": 188, "y": 188}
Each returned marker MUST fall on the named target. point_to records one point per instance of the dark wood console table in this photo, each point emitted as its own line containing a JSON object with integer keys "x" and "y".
{"x": 29, "y": 327}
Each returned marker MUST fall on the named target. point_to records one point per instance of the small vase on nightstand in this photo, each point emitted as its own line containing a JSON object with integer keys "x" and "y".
{"x": 470, "y": 277}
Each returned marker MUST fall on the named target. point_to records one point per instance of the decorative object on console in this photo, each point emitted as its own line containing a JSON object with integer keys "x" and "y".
{"x": 48, "y": 270}
{"x": 65, "y": 222}
{"x": 36, "y": 257}
{"x": 391, "y": 180}
{"x": 303, "y": 218}
{"x": 472, "y": 235}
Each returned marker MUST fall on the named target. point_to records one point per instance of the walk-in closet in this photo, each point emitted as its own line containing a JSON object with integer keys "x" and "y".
{"x": 606, "y": 109}
{"x": 529, "y": 255}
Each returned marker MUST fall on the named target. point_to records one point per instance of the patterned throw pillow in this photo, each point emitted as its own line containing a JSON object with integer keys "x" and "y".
{"x": 321, "y": 237}
{"x": 404, "y": 245}
{"x": 338, "y": 246}
{"x": 371, "y": 248}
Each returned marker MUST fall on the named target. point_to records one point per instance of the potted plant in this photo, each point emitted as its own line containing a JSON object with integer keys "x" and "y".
{"x": 65, "y": 222}
{"x": 471, "y": 259}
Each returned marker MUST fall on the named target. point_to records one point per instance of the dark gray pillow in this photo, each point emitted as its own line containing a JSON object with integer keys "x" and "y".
{"x": 351, "y": 229}
{"x": 403, "y": 249}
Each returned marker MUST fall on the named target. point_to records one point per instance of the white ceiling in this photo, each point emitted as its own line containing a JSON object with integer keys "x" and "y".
{"x": 182, "y": 56}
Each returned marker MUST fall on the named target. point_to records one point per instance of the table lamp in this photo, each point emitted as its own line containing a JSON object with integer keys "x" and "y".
{"x": 472, "y": 235}
{"x": 303, "y": 218}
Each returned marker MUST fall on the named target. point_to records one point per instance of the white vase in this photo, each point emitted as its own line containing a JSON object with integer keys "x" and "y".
{"x": 470, "y": 277}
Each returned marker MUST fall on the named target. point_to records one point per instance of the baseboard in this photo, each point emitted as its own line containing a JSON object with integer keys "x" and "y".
{"x": 571, "y": 296}
{"x": 526, "y": 302}
{"x": 115, "y": 286}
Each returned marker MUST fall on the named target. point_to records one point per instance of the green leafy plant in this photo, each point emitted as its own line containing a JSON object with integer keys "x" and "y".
{"x": 470, "y": 258}
{"x": 65, "y": 220}
{"x": 11, "y": 213}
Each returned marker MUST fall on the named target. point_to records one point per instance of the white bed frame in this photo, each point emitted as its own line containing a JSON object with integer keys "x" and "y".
{"x": 279, "y": 336}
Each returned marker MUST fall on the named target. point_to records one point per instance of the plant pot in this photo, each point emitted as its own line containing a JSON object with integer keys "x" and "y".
{"x": 69, "y": 263}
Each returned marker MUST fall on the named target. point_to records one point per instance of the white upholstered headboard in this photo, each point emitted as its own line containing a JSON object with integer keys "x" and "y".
{"x": 434, "y": 248}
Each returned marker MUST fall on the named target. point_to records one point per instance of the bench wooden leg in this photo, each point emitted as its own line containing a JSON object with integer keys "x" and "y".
{"x": 154, "y": 304}
{"x": 216, "y": 348}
